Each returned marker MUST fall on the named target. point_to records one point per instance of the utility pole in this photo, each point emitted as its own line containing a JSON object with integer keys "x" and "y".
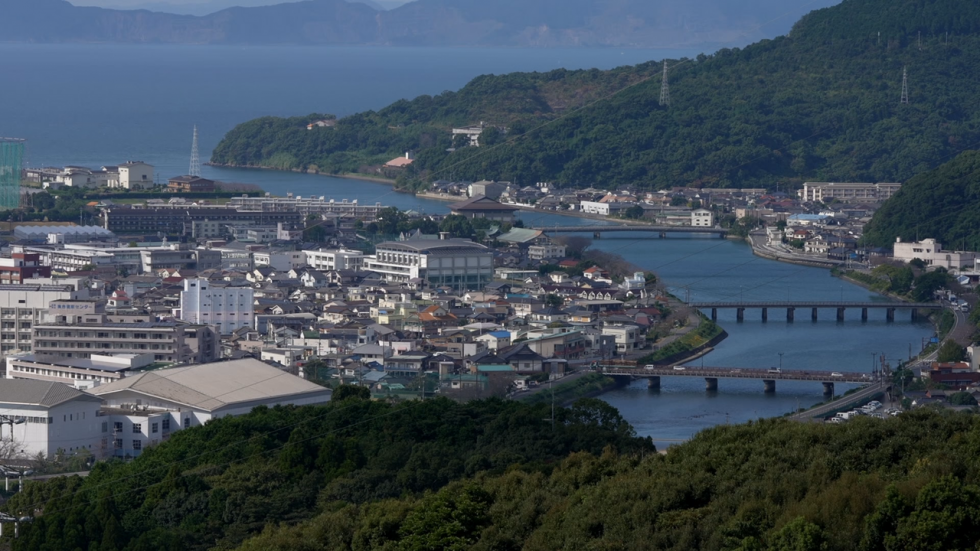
{"x": 665, "y": 89}
{"x": 905, "y": 86}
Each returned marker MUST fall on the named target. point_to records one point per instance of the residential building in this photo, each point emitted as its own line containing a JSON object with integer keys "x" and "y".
{"x": 848, "y": 193}
{"x": 280, "y": 260}
{"x": 629, "y": 337}
{"x": 21, "y": 306}
{"x": 190, "y": 184}
{"x": 56, "y": 235}
{"x": 546, "y": 251}
{"x": 224, "y": 308}
{"x": 168, "y": 341}
{"x": 471, "y": 132}
{"x": 147, "y": 408}
{"x": 931, "y": 252}
{"x": 135, "y": 175}
{"x": 457, "y": 263}
{"x": 161, "y": 258}
{"x": 484, "y": 207}
{"x": 21, "y": 267}
{"x": 50, "y": 416}
{"x": 487, "y": 188}
{"x": 336, "y": 259}
{"x": 179, "y": 221}
{"x": 100, "y": 368}
{"x": 306, "y": 206}
{"x": 702, "y": 218}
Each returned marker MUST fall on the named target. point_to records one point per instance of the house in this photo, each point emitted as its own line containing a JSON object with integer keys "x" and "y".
{"x": 400, "y": 162}
{"x": 495, "y": 340}
{"x": 190, "y": 184}
{"x": 484, "y": 207}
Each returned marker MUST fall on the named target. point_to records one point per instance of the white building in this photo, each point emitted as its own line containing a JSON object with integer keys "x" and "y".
{"x": 457, "y": 263}
{"x": 224, "y": 308}
{"x": 99, "y": 368}
{"x": 335, "y": 259}
{"x": 23, "y": 306}
{"x": 546, "y": 250}
{"x": 284, "y": 261}
{"x": 702, "y": 218}
{"x": 931, "y": 252}
{"x": 847, "y": 193}
{"x": 50, "y": 416}
{"x": 135, "y": 175}
{"x": 147, "y": 408}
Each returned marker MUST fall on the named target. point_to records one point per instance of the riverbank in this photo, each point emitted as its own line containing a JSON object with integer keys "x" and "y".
{"x": 761, "y": 249}
{"x": 565, "y": 393}
{"x": 346, "y": 176}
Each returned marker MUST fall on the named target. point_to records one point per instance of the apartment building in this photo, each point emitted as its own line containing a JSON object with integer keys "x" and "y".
{"x": 22, "y": 306}
{"x": 21, "y": 267}
{"x": 306, "y": 206}
{"x": 847, "y": 193}
{"x": 179, "y": 221}
{"x": 224, "y": 308}
{"x": 335, "y": 259}
{"x": 168, "y": 341}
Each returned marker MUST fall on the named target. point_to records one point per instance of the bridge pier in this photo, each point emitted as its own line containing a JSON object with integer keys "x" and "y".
{"x": 790, "y": 313}
{"x": 864, "y": 314}
{"x": 813, "y": 314}
{"x": 765, "y": 314}
{"x": 653, "y": 383}
{"x": 828, "y": 389}
{"x": 890, "y": 314}
{"x": 915, "y": 315}
{"x": 840, "y": 314}
{"x": 596, "y": 235}
{"x": 711, "y": 384}
{"x": 770, "y": 385}
{"x": 714, "y": 314}
{"x": 663, "y": 235}
{"x": 740, "y": 314}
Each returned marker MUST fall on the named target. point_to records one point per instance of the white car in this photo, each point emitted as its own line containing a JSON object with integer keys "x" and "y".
{"x": 649, "y": 366}
{"x": 678, "y": 368}
{"x": 836, "y": 374}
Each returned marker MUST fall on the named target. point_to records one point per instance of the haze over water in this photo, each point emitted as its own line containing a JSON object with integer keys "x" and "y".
{"x": 103, "y": 105}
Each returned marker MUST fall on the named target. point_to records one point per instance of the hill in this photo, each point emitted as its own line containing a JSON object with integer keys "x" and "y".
{"x": 822, "y": 103}
{"x": 943, "y": 204}
{"x": 526, "y": 23}
{"x": 213, "y": 486}
{"x": 869, "y": 485}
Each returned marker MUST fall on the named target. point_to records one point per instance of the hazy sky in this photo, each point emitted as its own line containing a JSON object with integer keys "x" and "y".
{"x": 198, "y": 6}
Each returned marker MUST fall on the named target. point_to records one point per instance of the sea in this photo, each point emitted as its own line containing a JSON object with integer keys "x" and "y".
{"x": 96, "y": 105}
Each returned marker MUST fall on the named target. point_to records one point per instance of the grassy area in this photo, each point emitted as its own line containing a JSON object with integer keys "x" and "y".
{"x": 691, "y": 341}
{"x": 573, "y": 390}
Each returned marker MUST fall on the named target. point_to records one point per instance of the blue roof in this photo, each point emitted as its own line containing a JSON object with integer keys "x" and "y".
{"x": 494, "y": 368}
{"x": 812, "y": 217}
{"x": 501, "y": 334}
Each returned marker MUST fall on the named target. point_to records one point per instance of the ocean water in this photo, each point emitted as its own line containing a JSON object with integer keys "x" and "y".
{"x": 97, "y": 105}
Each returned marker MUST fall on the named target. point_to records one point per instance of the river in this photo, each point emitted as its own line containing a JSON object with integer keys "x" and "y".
{"x": 703, "y": 269}
{"x": 91, "y": 117}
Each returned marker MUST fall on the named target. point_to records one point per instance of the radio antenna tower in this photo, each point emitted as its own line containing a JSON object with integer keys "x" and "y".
{"x": 665, "y": 88}
{"x": 905, "y": 86}
{"x": 195, "y": 169}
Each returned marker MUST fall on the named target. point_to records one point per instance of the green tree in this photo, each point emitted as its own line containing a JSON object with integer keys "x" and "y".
{"x": 962, "y": 399}
{"x": 950, "y": 351}
{"x": 344, "y": 392}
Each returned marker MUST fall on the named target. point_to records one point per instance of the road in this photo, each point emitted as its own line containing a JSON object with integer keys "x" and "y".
{"x": 862, "y": 396}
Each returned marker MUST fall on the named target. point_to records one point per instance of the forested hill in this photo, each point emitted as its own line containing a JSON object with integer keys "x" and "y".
{"x": 943, "y": 204}
{"x": 820, "y": 104}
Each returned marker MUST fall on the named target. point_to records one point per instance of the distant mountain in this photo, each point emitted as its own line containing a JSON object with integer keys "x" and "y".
{"x": 619, "y": 23}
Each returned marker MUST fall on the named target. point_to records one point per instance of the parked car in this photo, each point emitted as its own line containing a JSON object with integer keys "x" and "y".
{"x": 775, "y": 370}
{"x": 649, "y": 366}
{"x": 836, "y": 374}
{"x": 678, "y": 368}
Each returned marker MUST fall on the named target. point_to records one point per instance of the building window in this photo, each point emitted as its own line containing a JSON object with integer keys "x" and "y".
{"x": 187, "y": 423}
{"x": 137, "y": 428}
{"x": 137, "y": 445}
{"x": 154, "y": 427}
{"x": 105, "y": 426}
{"x": 166, "y": 424}
{"x": 117, "y": 443}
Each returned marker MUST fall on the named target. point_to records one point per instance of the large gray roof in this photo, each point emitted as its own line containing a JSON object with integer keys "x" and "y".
{"x": 216, "y": 385}
{"x": 38, "y": 393}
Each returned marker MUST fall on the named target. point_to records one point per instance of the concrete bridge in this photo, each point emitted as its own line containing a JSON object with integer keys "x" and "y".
{"x": 712, "y": 374}
{"x": 791, "y": 306}
{"x": 661, "y": 231}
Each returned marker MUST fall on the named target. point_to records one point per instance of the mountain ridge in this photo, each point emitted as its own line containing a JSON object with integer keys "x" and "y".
{"x": 510, "y": 23}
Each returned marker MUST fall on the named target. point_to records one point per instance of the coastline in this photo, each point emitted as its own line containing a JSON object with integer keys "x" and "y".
{"x": 346, "y": 176}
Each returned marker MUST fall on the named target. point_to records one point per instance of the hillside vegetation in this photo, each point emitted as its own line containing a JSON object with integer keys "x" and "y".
{"x": 820, "y": 104}
{"x": 909, "y": 483}
{"x": 214, "y": 486}
{"x": 943, "y": 204}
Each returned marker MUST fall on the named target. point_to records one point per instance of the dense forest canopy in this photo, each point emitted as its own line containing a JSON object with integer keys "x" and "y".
{"x": 216, "y": 485}
{"x": 943, "y": 204}
{"x": 822, "y": 104}
{"x": 899, "y": 484}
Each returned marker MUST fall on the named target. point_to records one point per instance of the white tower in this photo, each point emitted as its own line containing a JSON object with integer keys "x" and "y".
{"x": 665, "y": 88}
{"x": 195, "y": 169}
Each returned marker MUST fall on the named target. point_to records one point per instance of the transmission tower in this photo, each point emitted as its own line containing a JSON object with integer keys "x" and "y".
{"x": 665, "y": 88}
{"x": 905, "y": 86}
{"x": 195, "y": 169}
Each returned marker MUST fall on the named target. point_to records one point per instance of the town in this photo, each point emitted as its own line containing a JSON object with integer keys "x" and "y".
{"x": 173, "y": 309}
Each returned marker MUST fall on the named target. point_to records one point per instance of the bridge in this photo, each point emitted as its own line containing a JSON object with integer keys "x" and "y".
{"x": 791, "y": 306}
{"x": 711, "y": 375}
{"x": 661, "y": 231}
